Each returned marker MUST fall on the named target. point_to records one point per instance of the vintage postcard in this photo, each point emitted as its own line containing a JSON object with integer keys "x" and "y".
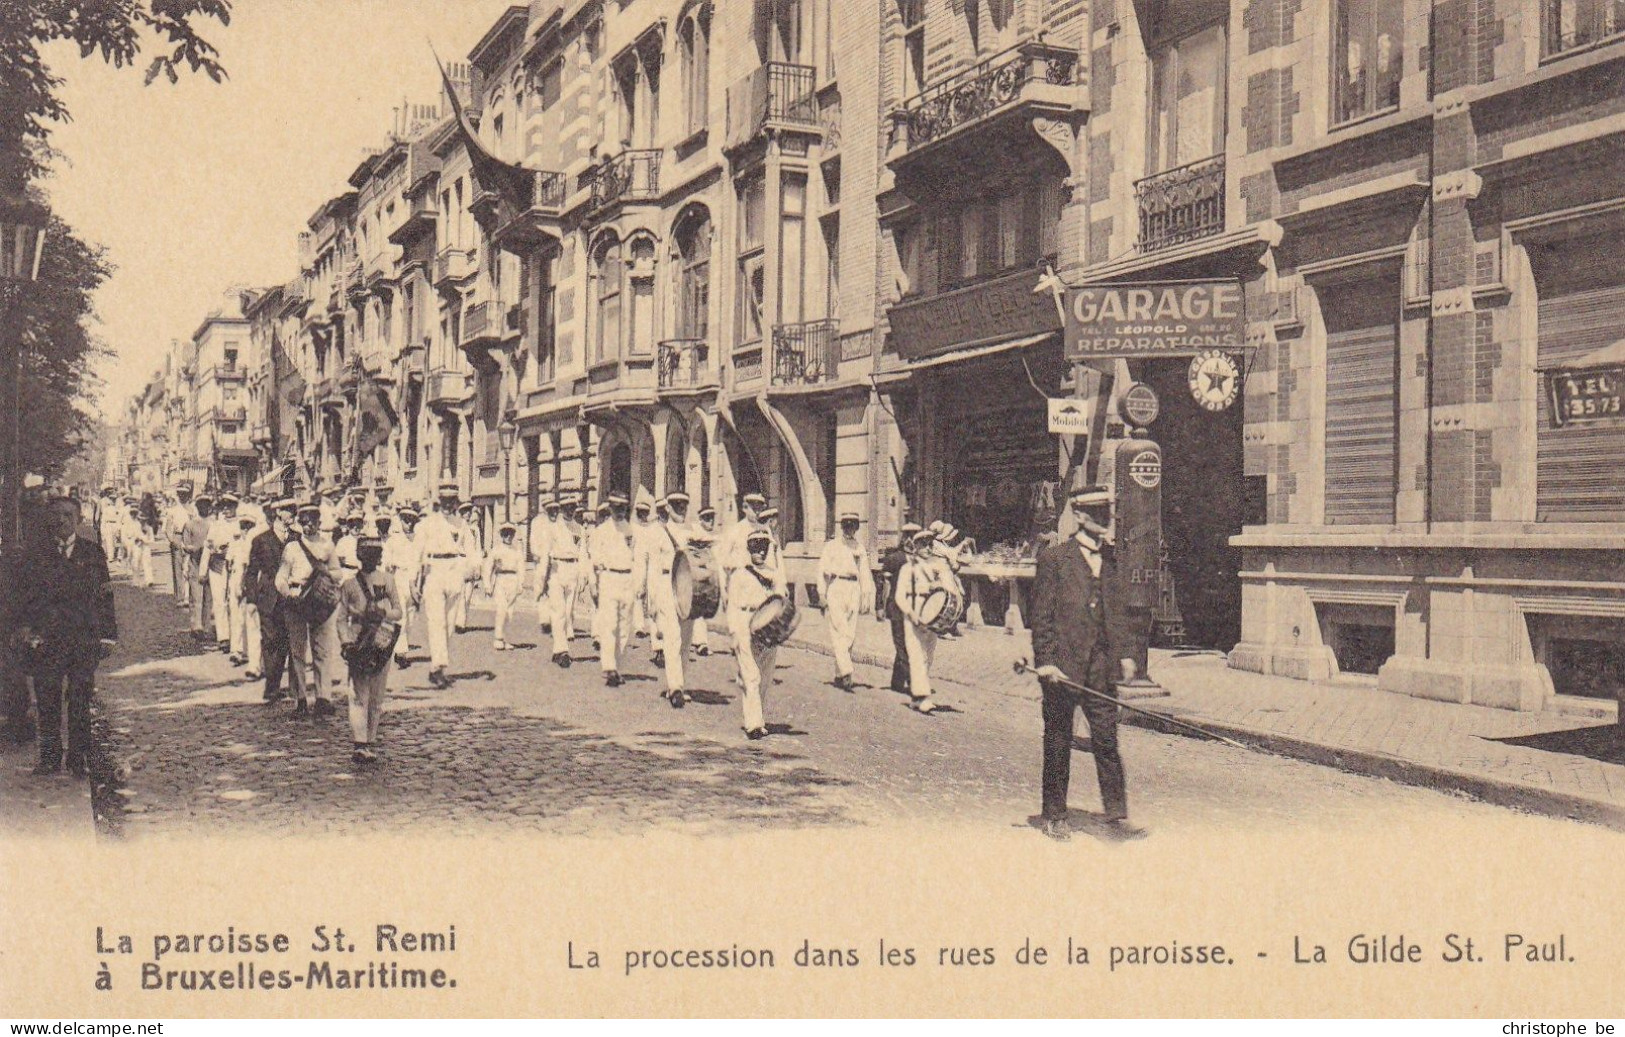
{"x": 812, "y": 508}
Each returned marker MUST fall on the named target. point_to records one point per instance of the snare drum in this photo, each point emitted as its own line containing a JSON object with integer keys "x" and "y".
{"x": 775, "y": 620}
{"x": 695, "y": 586}
{"x": 941, "y": 608}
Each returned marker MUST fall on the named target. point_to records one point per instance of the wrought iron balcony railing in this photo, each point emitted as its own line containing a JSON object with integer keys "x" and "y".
{"x": 774, "y": 94}
{"x": 1181, "y": 204}
{"x": 985, "y": 88}
{"x": 547, "y": 190}
{"x": 685, "y": 363}
{"x": 806, "y": 354}
{"x": 628, "y": 177}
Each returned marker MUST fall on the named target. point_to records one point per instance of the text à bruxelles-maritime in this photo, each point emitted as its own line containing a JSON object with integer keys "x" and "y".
{"x": 250, "y": 973}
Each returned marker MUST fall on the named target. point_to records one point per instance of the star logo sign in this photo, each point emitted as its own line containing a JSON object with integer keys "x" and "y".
{"x": 1215, "y": 381}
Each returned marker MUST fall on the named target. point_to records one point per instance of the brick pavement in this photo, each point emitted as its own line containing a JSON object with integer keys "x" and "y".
{"x": 1556, "y": 763}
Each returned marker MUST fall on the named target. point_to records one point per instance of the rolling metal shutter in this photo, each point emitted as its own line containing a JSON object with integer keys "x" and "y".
{"x": 1578, "y": 469}
{"x": 1362, "y": 417}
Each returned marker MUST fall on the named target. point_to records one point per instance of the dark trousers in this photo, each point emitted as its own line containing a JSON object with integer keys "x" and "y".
{"x": 77, "y": 681}
{"x": 899, "y": 666}
{"x": 273, "y": 650}
{"x": 14, "y": 699}
{"x": 1059, "y": 707}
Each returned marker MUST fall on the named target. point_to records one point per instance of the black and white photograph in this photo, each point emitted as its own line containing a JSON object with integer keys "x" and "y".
{"x": 1099, "y": 452}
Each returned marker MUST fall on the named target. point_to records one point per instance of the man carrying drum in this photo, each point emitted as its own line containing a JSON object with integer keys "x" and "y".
{"x": 751, "y": 589}
{"x": 919, "y": 579}
{"x": 849, "y": 592}
{"x": 539, "y": 540}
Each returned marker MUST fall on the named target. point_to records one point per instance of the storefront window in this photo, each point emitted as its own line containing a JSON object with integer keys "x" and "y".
{"x": 1367, "y": 52}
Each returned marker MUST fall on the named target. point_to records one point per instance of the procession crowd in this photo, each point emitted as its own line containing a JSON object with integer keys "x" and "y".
{"x": 309, "y": 595}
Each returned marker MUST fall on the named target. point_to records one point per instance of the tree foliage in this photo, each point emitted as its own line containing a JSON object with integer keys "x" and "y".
{"x": 120, "y": 31}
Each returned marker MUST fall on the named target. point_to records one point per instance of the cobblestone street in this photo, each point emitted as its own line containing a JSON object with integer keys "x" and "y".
{"x": 517, "y": 744}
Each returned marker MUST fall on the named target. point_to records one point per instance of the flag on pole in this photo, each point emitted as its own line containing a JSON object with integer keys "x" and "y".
{"x": 1051, "y": 282}
{"x": 375, "y": 418}
{"x": 507, "y": 179}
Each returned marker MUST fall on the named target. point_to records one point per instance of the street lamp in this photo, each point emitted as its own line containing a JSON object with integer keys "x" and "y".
{"x": 22, "y": 241}
{"x": 505, "y": 434}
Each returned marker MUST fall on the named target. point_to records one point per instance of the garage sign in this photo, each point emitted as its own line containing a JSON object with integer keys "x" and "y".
{"x": 1159, "y": 318}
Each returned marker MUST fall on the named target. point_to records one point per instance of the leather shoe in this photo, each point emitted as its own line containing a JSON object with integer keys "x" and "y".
{"x": 613, "y": 679}
{"x": 324, "y": 707}
{"x": 1057, "y": 828}
{"x": 677, "y": 698}
{"x": 756, "y": 733}
{"x": 301, "y": 708}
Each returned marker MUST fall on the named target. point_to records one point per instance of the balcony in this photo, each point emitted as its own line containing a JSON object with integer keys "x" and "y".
{"x": 520, "y": 230}
{"x": 1181, "y": 205}
{"x": 226, "y": 373}
{"x": 261, "y": 434}
{"x": 775, "y": 96}
{"x": 806, "y": 354}
{"x": 330, "y": 392}
{"x": 482, "y": 328}
{"x": 631, "y": 176}
{"x": 447, "y": 388}
{"x": 452, "y": 265}
{"x": 351, "y": 278}
{"x": 685, "y": 364}
{"x": 422, "y": 219}
{"x": 232, "y": 414}
{"x": 1031, "y": 78}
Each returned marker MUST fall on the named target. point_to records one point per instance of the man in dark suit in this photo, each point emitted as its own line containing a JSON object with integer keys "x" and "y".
{"x": 68, "y": 627}
{"x": 891, "y": 565}
{"x": 259, "y": 586}
{"x": 1076, "y": 637}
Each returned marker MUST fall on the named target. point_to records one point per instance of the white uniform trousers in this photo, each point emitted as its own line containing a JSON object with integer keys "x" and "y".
{"x": 544, "y": 602}
{"x": 504, "y": 595}
{"x": 842, "y": 613}
{"x": 465, "y": 592}
{"x": 669, "y": 632}
{"x": 756, "y": 668}
{"x": 245, "y": 624}
{"x": 367, "y": 704}
{"x": 922, "y": 647}
{"x": 310, "y": 663}
{"x": 219, "y": 599}
{"x": 561, "y": 604}
{"x": 405, "y": 584}
{"x": 441, "y": 586}
{"x": 614, "y": 620}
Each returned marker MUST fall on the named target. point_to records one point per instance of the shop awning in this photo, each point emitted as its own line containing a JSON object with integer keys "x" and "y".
{"x": 980, "y": 351}
{"x": 275, "y": 475}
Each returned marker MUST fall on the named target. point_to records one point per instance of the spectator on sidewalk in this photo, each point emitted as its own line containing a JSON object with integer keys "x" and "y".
{"x": 1076, "y": 638}
{"x": 259, "y": 586}
{"x": 369, "y": 618}
{"x": 176, "y": 518}
{"x": 67, "y": 626}
{"x": 193, "y": 540}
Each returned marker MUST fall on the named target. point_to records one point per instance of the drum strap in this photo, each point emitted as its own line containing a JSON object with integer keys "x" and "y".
{"x": 766, "y": 583}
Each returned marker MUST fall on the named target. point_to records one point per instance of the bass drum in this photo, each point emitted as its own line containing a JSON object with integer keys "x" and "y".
{"x": 695, "y": 584}
{"x": 941, "y": 609}
{"x": 775, "y": 620}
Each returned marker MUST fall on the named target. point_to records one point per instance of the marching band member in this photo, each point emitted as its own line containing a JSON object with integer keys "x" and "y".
{"x": 504, "y": 576}
{"x": 367, "y": 610}
{"x": 642, "y": 526}
{"x": 561, "y": 561}
{"x": 222, "y": 531}
{"x": 309, "y": 644}
{"x": 848, "y": 592}
{"x": 656, "y": 558}
{"x": 401, "y": 563}
{"x": 473, "y": 544}
{"x": 442, "y": 565}
{"x": 919, "y": 577}
{"x": 702, "y": 627}
{"x": 245, "y": 620}
{"x": 538, "y": 539}
{"x": 749, "y": 587}
{"x": 613, "y": 555}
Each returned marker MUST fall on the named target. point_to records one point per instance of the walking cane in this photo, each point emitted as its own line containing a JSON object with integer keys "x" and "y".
{"x": 1021, "y": 666}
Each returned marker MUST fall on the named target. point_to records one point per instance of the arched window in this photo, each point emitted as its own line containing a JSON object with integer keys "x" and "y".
{"x": 694, "y": 41}
{"x": 641, "y": 331}
{"x": 608, "y": 274}
{"x": 693, "y": 274}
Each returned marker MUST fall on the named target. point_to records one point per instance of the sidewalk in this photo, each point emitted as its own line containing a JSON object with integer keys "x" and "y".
{"x": 1550, "y": 763}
